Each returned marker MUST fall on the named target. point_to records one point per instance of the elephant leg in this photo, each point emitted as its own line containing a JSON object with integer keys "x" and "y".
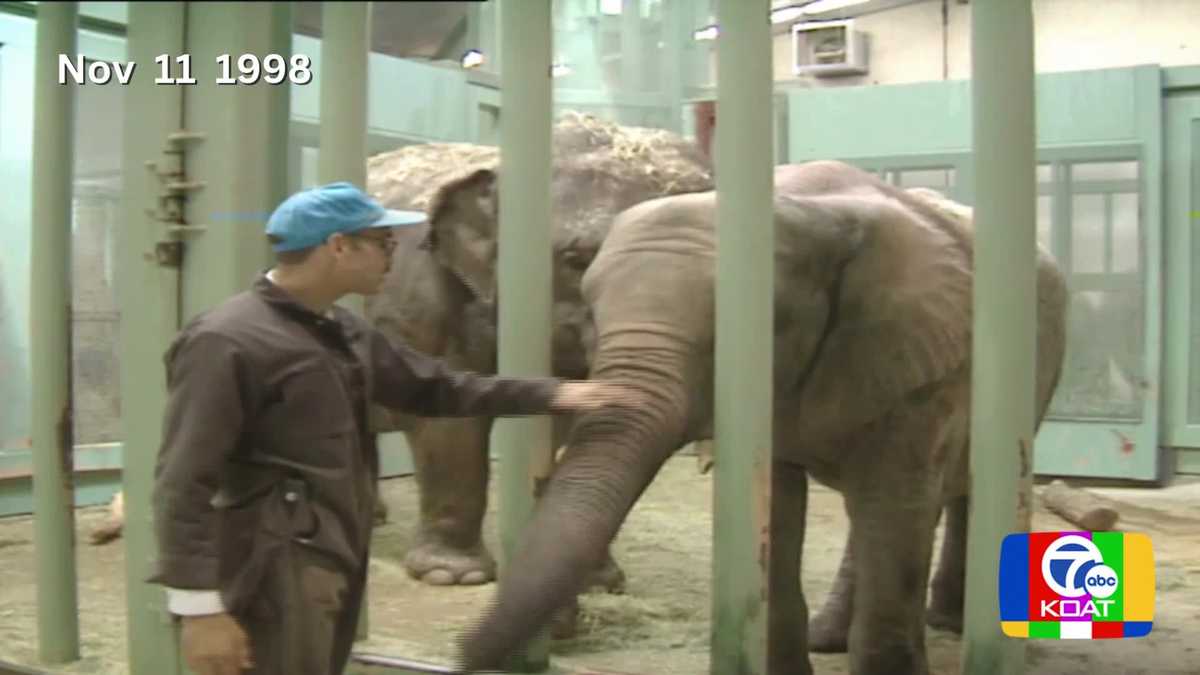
{"x": 894, "y": 501}
{"x": 606, "y": 577}
{"x": 787, "y": 652}
{"x": 829, "y": 629}
{"x": 891, "y": 571}
{"x": 450, "y": 457}
{"x": 948, "y": 592}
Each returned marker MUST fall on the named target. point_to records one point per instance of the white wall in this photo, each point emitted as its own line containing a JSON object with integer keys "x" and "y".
{"x": 906, "y": 42}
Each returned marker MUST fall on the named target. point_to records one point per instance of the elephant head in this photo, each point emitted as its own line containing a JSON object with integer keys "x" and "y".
{"x": 598, "y": 169}
{"x": 872, "y": 302}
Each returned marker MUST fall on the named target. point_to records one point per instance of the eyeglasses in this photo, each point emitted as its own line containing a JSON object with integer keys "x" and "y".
{"x": 386, "y": 244}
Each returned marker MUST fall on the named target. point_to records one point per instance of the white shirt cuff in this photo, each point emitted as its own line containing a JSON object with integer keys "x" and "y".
{"x": 186, "y": 602}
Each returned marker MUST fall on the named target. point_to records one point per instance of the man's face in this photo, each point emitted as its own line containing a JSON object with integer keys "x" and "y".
{"x": 364, "y": 258}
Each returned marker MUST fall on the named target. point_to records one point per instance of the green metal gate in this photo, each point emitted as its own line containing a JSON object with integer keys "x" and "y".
{"x": 1181, "y": 112}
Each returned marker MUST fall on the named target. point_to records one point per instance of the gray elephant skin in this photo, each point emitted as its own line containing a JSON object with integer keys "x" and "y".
{"x": 872, "y": 382}
{"x": 440, "y": 297}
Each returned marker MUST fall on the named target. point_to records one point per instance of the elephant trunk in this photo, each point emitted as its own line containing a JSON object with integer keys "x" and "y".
{"x": 612, "y": 456}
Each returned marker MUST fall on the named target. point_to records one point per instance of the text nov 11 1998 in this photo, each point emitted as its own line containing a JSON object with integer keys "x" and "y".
{"x": 246, "y": 69}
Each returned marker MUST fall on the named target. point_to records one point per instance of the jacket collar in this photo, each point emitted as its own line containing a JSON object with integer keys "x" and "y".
{"x": 337, "y": 318}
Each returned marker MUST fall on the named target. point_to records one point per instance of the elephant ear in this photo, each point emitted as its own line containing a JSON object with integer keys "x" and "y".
{"x": 901, "y": 319}
{"x": 462, "y": 230}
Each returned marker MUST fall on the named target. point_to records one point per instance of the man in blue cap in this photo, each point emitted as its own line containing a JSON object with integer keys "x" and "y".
{"x": 266, "y": 479}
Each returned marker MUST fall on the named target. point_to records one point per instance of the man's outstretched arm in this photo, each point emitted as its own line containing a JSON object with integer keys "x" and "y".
{"x": 409, "y": 380}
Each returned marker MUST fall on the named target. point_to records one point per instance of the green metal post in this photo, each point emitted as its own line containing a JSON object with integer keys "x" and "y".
{"x": 676, "y": 39}
{"x": 744, "y": 340}
{"x": 229, "y": 167}
{"x": 345, "y": 46}
{"x": 239, "y": 166}
{"x": 491, "y": 38}
{"x": 632, "y": 54}
{"x": 152, "y": 113}
{"x": 524, "y": 445}
{"x": 278, "y": 113}
{"x": 50, "y": 343}
{"x": 345, "y": 41}
{"x": 1005, "y": 291}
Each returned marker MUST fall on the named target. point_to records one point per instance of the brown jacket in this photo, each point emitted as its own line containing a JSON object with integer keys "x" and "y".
{"x": 265, "y": 434}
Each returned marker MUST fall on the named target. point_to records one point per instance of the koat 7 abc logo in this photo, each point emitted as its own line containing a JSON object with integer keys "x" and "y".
{"x": 1076, "y": 585}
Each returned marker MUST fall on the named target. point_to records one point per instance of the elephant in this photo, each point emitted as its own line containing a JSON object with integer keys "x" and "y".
{"x": 828, "y": 630}
{"x": 872, "y": 381}
{"x": 440, "y": 298}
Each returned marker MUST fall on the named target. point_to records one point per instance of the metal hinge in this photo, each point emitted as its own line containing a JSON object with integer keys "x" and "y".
{"x": 174, "y": 188}
{"x": 169, "y": 253}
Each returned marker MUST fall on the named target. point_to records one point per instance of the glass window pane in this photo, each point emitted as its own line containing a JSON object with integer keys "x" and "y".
{"x": 1045, "y": 173}
{"x": 1126, "y": 234}
{"x": 937, "y": 179}
{"x": 1087, "y": 234}
{"x": 309, "y": 158}
{"x": 95, "y": 214}
{"x": 1103, "y": 371}
{"x": 1102, "y": 171}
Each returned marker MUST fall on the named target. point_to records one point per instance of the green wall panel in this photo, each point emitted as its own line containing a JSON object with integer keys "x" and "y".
{"x": 408, "y": 99}
{"x": 850, "y": 122}
{"x": 935, "y": 117}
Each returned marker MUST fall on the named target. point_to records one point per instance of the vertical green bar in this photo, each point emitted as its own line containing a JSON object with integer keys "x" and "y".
{"x": 745, "y": 269}
{"x": 1112, "y": 549}
{"x": 345, "y": 47}
{"x": 151, "y": 113}
{"x": 50, "y": 339}
{"x": 345, "y": 41}
{"x": 524, "y": 275}
{"x": 632, "y": 52}
{"x": 675, "y": 37}
{"x": 1004, "y": 326}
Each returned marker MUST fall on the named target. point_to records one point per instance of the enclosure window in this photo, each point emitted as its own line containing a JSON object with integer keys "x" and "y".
{"x": 95, "y": 214}
{"x": 1096, "y": 232}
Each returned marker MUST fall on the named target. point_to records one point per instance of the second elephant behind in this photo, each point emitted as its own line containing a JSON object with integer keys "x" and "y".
{"x": 440, "y": 297}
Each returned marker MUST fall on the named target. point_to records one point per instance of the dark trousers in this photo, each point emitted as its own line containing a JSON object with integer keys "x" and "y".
{"x": 304, "y": 616}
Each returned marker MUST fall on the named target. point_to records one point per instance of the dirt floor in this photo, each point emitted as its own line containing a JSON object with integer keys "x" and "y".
{"x": 661, "y": 624}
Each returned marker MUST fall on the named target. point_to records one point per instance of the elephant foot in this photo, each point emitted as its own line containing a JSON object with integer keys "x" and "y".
{"x": 565, "y": 623}
{"x": 381, "y": 510}
{"x": 890, "y": 660}
{"x": 607, "y": 578}
{"x": 946, "y": 601}
{"x": 438, "y": 564}
{"x": 829, "y": 632}
{"x": 945, "y": 615}
{"x": 790, "y": 663}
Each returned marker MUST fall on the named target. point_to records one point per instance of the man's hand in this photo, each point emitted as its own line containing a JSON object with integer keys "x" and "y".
{"x": 214, "y": 644}
{"x": 577, "y": 396}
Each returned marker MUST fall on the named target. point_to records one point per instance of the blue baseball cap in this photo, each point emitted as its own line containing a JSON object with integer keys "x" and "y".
{"x": 307, "y": 218}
